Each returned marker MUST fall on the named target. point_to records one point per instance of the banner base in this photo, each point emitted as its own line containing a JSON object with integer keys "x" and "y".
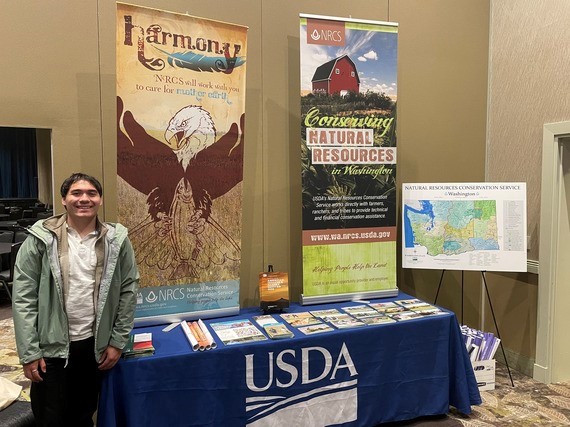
{"x": 179, "y": 317}
{"x": 324, "y": 299}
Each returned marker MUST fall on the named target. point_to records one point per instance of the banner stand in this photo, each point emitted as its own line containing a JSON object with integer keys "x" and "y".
{"x": 348, "y": 88}
{"x": 324, "y": 299}
{"x": 190, "y": 315}
{"x": 180, "y": 145}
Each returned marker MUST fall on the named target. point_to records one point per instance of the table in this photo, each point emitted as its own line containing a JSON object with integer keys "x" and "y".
{"x": 352, "y": 377}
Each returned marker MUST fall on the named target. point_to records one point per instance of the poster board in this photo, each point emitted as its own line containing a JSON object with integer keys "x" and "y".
{"x": 180, "y": 137}
{"x": 348, "y": 157}
{"x": 464, "y": 226}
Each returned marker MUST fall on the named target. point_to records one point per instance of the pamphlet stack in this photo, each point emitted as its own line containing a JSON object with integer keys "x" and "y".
{"x": 481, "y": 347}
{"x": 139, "y": 345}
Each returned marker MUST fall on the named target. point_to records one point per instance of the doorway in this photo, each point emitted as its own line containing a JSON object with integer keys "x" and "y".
{"x": 552, "y": 363}
{"x": 25, "y": 161}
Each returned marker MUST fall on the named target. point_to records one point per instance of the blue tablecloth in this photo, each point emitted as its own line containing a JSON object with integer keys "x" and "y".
{"x": 352, "y": 377}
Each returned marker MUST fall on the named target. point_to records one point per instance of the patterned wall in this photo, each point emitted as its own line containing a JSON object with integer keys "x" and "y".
{"x": 529, "y": 85}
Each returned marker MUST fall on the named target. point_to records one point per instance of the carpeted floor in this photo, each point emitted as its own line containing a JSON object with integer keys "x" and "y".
{"x": 10, "y": 367}
{"x": 528, "y": 403}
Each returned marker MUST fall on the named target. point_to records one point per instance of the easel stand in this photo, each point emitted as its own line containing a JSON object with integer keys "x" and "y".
{"x": 492, "y": 313}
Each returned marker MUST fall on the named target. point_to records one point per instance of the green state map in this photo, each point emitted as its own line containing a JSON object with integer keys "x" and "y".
{"x": 451, "y": 227}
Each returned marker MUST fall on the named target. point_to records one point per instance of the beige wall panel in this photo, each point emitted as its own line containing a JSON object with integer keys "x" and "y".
{"x": 50, "y": 80}
{"x": 442, "y": 80}
{"x": 528, "y": 87}
{"x": 442, "y": 106}
{"x": 514, "y": 299}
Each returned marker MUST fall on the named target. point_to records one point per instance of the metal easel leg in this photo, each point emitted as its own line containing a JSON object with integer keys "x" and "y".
{"x": 439, "y": 286}
{"x": 462, "y": 298}
{"x": 497, "y": 327}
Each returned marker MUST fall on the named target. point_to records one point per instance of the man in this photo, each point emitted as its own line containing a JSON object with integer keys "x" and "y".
{"x": 74, "y": 296}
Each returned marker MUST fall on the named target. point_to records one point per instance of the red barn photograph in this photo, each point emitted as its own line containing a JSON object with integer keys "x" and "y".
{"x": 338, "y": 76}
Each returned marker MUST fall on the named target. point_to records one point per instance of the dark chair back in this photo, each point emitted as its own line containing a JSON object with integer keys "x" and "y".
{"x": 13, "y": 253}
{"x": 21, "y": 235}
{"x": 44, "y": 215}
{"x": 28, "y": 213}
{"x": 6, "y": 236}
{"x": 7, "y": 277}
{"x": 15, "y": 213}
{"x": 26, "y": 222}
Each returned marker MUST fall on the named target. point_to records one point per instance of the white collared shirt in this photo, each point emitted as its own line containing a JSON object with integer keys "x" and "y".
{"x": 79, "y": 304}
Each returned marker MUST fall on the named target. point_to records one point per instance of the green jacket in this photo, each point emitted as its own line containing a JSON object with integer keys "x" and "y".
{"x": 41, "y": 281}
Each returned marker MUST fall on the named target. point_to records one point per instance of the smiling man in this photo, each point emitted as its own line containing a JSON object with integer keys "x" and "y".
{"x": 74, "y": 297}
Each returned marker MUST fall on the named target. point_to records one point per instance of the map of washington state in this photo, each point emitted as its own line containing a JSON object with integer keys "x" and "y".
{"x": 451, "y": 227}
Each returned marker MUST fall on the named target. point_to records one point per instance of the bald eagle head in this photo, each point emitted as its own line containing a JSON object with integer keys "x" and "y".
{"x": 190, "y": 131}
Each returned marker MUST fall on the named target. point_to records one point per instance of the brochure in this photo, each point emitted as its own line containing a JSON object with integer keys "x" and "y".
{"x": 273, "y": 291}
{"x": 343, "y": 321}
{"x": 405, "y": 315}
{"x": 316, "y": 329}
{"x": 428, "y": 310}
{"x": 360, "y": 311}
{"x": 324, "y": 314}
{"x": 300, "y": 319}
{"x": 411, "y": 303}
{"x": 420, "y": 307}
{"x": 139, "y": 345}
{"x": 480, "y": 345}
{"x": 274, "y": 329}
{"x": 387, "y": 307}
{"x": 265, "y": 319}
{"x": 278, "y": 331}
{"x": 237, "y": 331}
{"x": 378, "y": 320}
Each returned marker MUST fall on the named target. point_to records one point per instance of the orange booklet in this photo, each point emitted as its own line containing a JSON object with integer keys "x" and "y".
{"x": 273, "y": 291}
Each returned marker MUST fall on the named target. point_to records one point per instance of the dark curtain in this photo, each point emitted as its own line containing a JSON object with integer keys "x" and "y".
{"x": 18, "y": 163}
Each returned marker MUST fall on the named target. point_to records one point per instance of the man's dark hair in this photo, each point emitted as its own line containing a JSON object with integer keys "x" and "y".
{"x": 78, "y": 176}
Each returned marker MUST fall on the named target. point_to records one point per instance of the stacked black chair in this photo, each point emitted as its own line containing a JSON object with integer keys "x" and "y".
{"x": 21, "y": 235}
{"x": 6, "y": 236}
{"x": 7, "y": 276}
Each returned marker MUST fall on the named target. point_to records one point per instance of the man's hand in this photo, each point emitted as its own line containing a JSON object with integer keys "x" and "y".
{"x": 31, "y": 370}
{"x": 110, "y": 357}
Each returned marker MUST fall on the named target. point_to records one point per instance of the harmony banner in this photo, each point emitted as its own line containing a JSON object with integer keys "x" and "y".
{"x": 478, "y": 226}
{"x": 180, "y": 131}
{"x": 348, "y": 157}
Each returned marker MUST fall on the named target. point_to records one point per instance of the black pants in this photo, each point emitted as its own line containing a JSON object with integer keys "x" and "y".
{"x": 68, "y": 395}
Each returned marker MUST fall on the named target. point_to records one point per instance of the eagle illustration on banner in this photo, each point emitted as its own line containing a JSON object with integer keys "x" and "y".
{"x": 181, "y": 177}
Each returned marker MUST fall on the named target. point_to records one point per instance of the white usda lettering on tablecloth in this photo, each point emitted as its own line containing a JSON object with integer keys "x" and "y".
{"x": 335, "y": 402}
